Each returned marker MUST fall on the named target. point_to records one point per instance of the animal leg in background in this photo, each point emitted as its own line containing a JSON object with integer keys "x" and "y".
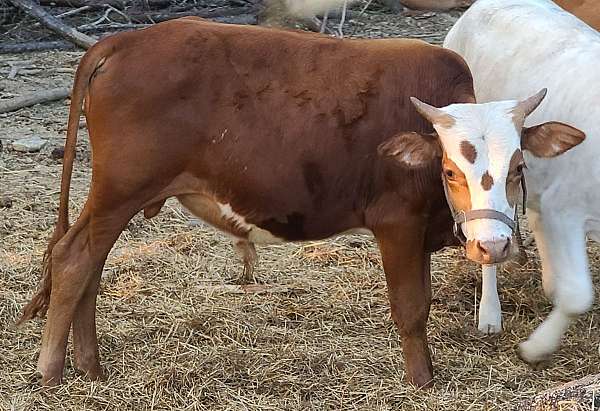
{"x": 340, "y": 30}
{"x": 247, "y": 253}
{"x": 566, "y": 281}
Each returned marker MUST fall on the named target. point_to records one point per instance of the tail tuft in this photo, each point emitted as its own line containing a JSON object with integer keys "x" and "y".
{"x": 41, "y": 300}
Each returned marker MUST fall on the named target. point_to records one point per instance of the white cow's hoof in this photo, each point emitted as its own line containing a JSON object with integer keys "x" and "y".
{"x": 534, "y": 354}
{"x": 488, "y": 328}
{"x": 490, "y": 318}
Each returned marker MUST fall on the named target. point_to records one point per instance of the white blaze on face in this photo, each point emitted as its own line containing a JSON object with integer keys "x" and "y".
{"x": 481, "y": 142}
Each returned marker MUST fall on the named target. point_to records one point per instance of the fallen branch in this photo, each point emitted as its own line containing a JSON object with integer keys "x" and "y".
{"x": 120, "y": 4}
{"x": 113, "y": 26}
{"x": 73, "y": 12}
{"x": 151, "y": 17}
{"x": 34, "y": 98}
{"x": 245, "y": 19}
{"x": 250, "y": 289}
{"x": 54, "y": 24}
{"x": 36, "y": 46}
{"x": 80, "y": 3}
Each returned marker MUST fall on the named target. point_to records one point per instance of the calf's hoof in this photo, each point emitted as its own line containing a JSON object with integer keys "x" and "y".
{"x": 87, "y": 363}
{"x": 94, "y": 373}
{"x": 490, "y": 324}
{"x": 245, "y": 279}
{"x": 424, "y": 382}
{"x": 490, "y": 329}
{"x": 530, "y": 353}
{"x": 490, "y": 317}
{"x": 49, "y": 381}
{"x": 49, "y": 374}
{"x": 420, "y": 375}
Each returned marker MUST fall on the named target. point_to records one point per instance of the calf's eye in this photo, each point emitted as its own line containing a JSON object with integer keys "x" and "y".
{"x": 449, "y": 173}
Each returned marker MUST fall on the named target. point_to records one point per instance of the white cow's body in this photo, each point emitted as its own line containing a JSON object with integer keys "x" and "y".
{"x": 514, "y": 48}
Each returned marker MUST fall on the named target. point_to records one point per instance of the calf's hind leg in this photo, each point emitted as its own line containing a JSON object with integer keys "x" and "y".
{"x": 77, "y": 261}
{"x": 247, "y": 253}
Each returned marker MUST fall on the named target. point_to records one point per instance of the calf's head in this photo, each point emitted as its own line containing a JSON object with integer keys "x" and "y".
{"x": 480, "y": 148}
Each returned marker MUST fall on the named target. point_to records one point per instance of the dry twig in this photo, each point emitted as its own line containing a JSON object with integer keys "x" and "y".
{"x": 53, "y": 23}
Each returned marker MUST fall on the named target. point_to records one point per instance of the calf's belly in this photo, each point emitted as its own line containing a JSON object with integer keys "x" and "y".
{"x": 224, "y": 218}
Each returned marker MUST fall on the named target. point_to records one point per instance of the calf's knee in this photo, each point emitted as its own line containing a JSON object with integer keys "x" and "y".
{"x": 575, "y": 299}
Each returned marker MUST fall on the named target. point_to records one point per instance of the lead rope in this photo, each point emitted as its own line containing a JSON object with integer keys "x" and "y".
{"x": 523, "y": 204}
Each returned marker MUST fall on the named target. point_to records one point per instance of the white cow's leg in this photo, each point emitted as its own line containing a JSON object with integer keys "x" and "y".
{"x": 545, "y": 250}
{"x": 342, "y": 20}
{"x": 566, "y": 278}
{"x": 324, "y": 22}
{"x": 490, "y": 314}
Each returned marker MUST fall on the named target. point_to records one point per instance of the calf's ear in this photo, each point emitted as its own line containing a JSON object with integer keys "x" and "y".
{"x": 550, "y": 139}
{"x": 412, "y": 150}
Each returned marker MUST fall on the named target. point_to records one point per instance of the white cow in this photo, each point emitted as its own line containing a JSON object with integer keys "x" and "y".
{"x": 515, "y": 47}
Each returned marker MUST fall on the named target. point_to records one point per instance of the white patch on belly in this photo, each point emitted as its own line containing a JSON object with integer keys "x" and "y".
{"x": 255, "y": 234}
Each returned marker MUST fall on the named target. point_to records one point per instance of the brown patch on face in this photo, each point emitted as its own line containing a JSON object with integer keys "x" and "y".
{"x": 487, "y": 181}
{"x": 513, "y": 180}
{"x": 458, "y": 190}
{"x": 468, "y": 151}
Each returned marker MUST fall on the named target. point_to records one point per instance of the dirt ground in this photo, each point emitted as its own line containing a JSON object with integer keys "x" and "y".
{"x": 172, "y": 337}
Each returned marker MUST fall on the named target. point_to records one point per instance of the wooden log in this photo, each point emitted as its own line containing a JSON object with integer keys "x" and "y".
{"x": 118, "y": 4}
{"x": 248, "y": 19}
{"x": 157, "y": 17}
{"x": 435, "y": 4}
{"x": 95, "y": 4}
{"x": 54, "y": 24}
{"x": 583, "y": 394}
{"x": 34, "y": 98}
{"x": 36, "y": 46}
{"x": 112, "y": 27}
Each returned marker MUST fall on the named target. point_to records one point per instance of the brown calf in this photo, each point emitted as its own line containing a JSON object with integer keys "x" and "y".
{"x": 267, "y": 135}
{"x": 586, "y": 10}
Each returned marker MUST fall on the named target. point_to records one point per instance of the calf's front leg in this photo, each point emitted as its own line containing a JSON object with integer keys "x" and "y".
{"x": 406, "y": 266}
{"x": 565, "y": 278}
{"x": 490, "y": 314}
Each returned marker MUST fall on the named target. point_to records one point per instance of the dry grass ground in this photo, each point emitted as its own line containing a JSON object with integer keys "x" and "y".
{"x": 173, "y": 338}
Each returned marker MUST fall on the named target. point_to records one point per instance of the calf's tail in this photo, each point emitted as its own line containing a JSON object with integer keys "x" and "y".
{"x": 90, "y": 62}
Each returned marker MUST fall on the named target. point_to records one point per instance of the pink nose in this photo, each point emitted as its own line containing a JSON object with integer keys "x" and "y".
{"x": 493, "y": 251}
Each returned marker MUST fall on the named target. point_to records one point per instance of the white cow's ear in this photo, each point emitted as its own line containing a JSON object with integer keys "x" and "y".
{"x": 550, "y": 139}
{"x": 412, "y": 150}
